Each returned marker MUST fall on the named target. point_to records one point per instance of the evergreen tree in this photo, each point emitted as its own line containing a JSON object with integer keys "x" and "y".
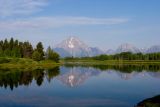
{"x": 51, "y": 55}
{"x": 36, "y": 56}
{"x": 21, "y": 48}
{"x": 11, "y": 44}
{"x": 1, "y": 48}
{"x": 5, "y": 45}
{"x": 39, "y": 48}
{"x": 27, "y": 50}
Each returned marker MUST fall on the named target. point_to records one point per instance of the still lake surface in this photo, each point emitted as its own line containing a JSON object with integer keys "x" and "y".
{"x": 79, "y": 86}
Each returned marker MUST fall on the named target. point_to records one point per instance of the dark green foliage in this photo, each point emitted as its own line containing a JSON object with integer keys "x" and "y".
{"x": 4, "y": 60}
{"x": 53, "y": 72}
{"x": 27, "y": 50}
{"x": 12, "y": 78}
{"x": 125, "y": 56}
{"x": 39, "y": 48}
{"x": 51, "y": 55}
{"x": 38, "y": 53}
{"x": 102, "y": 57}
{"x": 36, "y": 56}
{"x": 15, "y": 49}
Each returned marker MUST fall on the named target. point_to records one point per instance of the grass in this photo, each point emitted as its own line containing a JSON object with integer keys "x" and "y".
{"x": 24, "y": 63}
{"x": 108, "y": 62}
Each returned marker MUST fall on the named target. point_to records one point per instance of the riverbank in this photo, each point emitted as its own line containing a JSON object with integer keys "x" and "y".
{"x": 109, "y": 62}
{"x": 24, "y": 63}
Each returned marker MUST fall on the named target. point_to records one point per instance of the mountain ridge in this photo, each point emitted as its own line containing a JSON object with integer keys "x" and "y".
{"x": 74, "y": 47}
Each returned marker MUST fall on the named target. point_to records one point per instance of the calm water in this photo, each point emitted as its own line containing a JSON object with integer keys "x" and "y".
{"x": 75, "y": 86}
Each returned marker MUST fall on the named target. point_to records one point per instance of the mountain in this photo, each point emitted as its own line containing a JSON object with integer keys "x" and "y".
{"x": 127, "y": 48}
{"x": 62, "y": 52}
{"x": 153, "y": 49}
{"x": 110, "y": 52}
{"x": 143, "y": 50}
{"x": 72, "y": 46}
{"x": 130, "y": 48}
{"x": 95, "y": 51}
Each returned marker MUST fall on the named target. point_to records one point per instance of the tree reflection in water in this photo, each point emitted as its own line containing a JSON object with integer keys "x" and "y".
{"x": 14, "y": 78}
{"x": 122, "y": 68}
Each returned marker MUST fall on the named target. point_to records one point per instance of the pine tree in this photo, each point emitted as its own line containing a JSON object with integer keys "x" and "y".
{"x": 40, "y": 48}
{"x": 27, "y": 50}
{"x": 51, "y": 55}
{"x": 36, "y": 56}
{"x": 1, "y": 48}
{"x": 11, "y": 44}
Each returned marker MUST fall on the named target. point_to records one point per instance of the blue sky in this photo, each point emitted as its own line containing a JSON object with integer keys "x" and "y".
{"x": 100, "y": 23}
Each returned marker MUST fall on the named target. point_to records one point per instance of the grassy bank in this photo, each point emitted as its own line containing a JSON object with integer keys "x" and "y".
{"x": 108, "y": 62}
{"x": 24, "y": 63}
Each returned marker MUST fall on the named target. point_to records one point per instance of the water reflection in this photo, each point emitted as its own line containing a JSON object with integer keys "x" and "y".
{"x": 72, "y": 75}
{"x": 122, "y": 68}
{"x": 76, "y": 76}
{"x": 87, "y": 86}
{"x": 14, "y": 77}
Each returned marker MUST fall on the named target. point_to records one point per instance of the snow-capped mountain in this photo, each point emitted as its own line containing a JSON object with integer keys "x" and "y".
{"x": 75, "y": 47}
{"x": 127, "y": 48}
{"x": 153, "y": 49}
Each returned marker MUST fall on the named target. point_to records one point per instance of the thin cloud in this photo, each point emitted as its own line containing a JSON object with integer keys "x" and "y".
{"x": 20, "y": 7}
{"x": 54, "y": 22}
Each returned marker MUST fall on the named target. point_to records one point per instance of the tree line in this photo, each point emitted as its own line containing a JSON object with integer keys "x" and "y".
{"x": 129, "y": 56}
{"x": 17, "y": 49}
{"x": 123, "y": 56}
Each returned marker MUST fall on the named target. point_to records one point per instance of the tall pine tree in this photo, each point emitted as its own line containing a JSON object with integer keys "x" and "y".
{"x": 39, "y": 48}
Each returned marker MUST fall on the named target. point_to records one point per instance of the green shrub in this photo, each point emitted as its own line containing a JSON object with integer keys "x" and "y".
{"x": 4, "y": 60}
{"x": 36, "y": 56}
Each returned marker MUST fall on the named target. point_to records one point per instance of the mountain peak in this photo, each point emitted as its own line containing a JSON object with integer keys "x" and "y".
{"x": 126, "y": 47}
{"x": 73, "y": 46}
{"x": 72, "y": 43}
